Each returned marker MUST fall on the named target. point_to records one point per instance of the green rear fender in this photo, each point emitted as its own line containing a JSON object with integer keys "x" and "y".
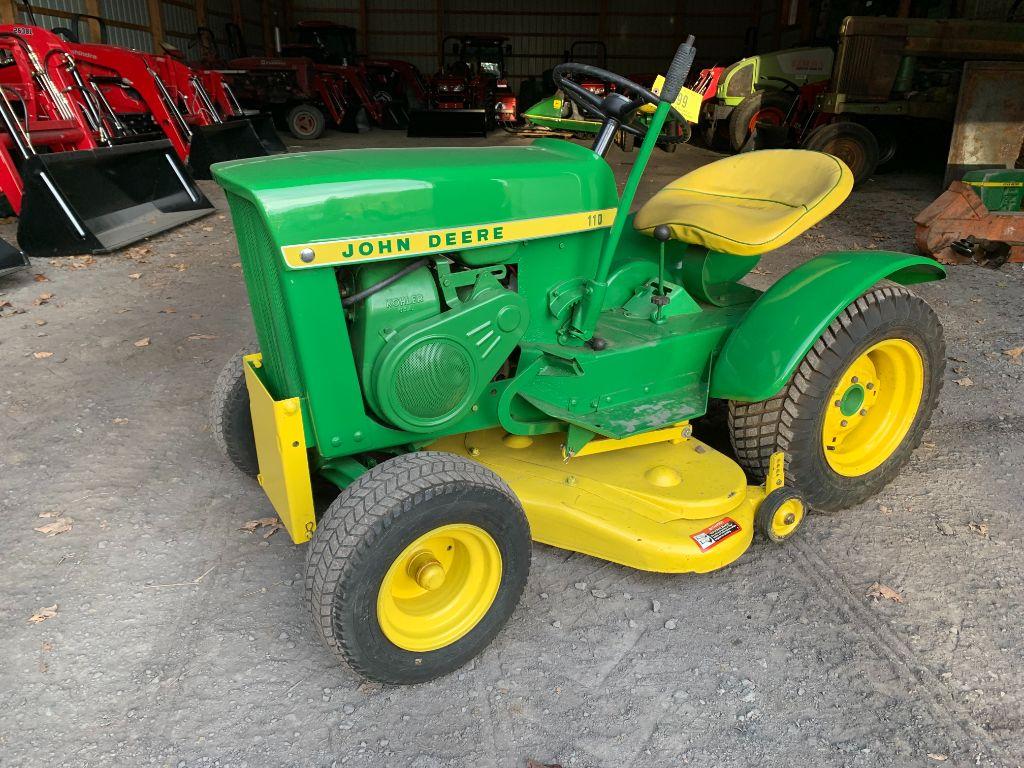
{"x": 766, "y": 347}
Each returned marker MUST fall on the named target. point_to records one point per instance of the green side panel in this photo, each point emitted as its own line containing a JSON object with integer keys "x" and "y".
{"x": 1000, "y": 189}
{"x": 545, "y": 108}
{"x": 363, "y": 192}
{"x": 761, "y": 354}
{"x": 544, "y": 114}
{"x": 797, "y": 65}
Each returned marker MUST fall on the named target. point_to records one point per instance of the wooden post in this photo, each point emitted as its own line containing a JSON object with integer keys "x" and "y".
{"x": 201, "y": 13}
{"x": 439, "y": 29}
{"x": 268, "y": 28}
{"x": 808, "y": 23}
{"x": 236, "y": 12}
{"x": 904, "y": 9}
{"x": 286, "y": 17}
{"x": 364, "y": 29}
{"x": 8, "y": 12}
{"x": 756, "y": 12}
{"x": 156, "y": 24}
{"x": 92, "y": 7}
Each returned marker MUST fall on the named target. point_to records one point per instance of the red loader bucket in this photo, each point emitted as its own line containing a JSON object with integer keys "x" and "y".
{"x": 99, "y": 200}
{"x": 233, "y": 140}
{"x": 11, "y": 259}
{"x": 263, "y": 124}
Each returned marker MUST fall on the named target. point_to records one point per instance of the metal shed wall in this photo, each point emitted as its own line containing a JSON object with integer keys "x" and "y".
{"x": 640, "y": 35}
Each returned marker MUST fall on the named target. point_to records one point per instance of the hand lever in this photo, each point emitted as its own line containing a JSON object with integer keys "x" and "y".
{"x": 662, "y": 234}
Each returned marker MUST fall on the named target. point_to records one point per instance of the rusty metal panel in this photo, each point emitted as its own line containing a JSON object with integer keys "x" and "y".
{"x": 872, "y": 49}
{"x": 988, "y": 131}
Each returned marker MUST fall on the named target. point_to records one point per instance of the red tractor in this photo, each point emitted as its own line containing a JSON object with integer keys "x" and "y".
{"x": 387, "y": 89}
{"x": 320, "y": 79}
{"x": 470, "y": 95}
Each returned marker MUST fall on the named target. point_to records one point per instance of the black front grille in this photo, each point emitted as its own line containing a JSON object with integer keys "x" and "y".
{"x": 262, "y": 266}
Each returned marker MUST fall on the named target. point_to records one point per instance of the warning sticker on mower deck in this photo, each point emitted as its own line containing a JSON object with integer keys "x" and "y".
{"x": 715, "y": 533}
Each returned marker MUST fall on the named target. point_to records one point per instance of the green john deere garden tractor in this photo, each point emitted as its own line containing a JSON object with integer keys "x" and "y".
{"x": 480, "y": 347}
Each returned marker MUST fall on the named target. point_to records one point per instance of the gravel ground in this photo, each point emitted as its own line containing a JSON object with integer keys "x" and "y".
{"x": 181, "y": 640}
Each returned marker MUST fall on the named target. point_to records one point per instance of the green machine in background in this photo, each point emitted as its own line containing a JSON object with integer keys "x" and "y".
{"x": 740, "y": 94}
{"x": 472, "y": 348}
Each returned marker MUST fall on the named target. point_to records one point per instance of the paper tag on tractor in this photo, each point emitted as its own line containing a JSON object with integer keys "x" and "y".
{"x": 687, "y": 103}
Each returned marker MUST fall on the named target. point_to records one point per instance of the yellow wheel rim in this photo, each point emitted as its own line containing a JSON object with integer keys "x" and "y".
{"x": 871, "y": 409}
{"x": 787, "y": 518}
{"x": 439, "y": 587}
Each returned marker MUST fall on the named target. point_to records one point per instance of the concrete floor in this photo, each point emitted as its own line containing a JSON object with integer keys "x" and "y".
{"x": 181, "y": 640}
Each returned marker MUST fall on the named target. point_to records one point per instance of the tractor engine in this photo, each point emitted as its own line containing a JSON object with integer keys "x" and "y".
{"x": 428, "y": 339}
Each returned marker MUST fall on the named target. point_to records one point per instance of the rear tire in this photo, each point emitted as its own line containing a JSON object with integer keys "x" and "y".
{"x": 370, "y": 600}
{"x": 230, "y": 419}
{"x": 831, "y": 475}
{"x": 306, "y": 122}
{"x": 851, "y": 142}
{"x": 770, "y": 106}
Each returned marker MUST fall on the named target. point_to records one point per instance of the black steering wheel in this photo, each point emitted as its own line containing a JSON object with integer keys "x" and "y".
{"x": 617, "y": 108}
{"x": 614, "y": 106}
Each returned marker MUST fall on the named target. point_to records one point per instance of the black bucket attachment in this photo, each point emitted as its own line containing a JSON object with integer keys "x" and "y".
{"x": 264, "y": 126}
{"x": 234, "y": 140}
{"x": 99, "y": 200}
{"x": 448, "y": 122}
{"x": 11, "y": 259}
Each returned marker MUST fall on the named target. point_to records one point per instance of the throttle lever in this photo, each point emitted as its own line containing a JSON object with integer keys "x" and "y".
{"x": 678, "y": 70}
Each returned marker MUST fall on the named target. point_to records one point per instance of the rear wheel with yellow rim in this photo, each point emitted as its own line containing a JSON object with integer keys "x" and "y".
{"x": 416, "y": 566}
{"x": 857, "y": 405}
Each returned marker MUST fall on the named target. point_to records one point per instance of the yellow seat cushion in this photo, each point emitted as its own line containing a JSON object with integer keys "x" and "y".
{"x": 750, "y": 203}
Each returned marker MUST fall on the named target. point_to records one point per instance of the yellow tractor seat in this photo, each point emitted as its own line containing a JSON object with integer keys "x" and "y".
{"x": 750, "y": 203}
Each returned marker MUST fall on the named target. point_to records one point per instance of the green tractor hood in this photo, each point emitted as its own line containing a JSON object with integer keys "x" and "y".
{"x": 355, "y": 193}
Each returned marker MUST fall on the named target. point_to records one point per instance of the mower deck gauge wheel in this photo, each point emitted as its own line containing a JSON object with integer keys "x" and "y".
{"x": 780, "y": 514}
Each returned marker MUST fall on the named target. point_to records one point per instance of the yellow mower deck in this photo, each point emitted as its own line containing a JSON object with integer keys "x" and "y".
{"x": 660, "y": 501}
{"x": 672, "y": 506}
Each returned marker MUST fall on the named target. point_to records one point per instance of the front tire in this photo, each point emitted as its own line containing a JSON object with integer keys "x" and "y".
{"x": 417, "y": 566}
{"x": 230, "y": 418}
{"x": 769, "y": 107}
{"x": 306, "y": 122}
{"x": 857, "y": 405}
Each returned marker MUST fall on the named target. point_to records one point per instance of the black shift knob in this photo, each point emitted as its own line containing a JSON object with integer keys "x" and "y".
{"x": 662, "y": 233}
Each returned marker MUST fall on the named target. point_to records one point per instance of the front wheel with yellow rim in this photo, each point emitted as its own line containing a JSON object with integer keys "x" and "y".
{"x": 416, "y": 566}
{"x": 857, "y": 405}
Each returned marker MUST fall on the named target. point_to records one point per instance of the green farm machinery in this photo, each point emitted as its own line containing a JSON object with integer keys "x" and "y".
{"x": 473, "y": 348}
